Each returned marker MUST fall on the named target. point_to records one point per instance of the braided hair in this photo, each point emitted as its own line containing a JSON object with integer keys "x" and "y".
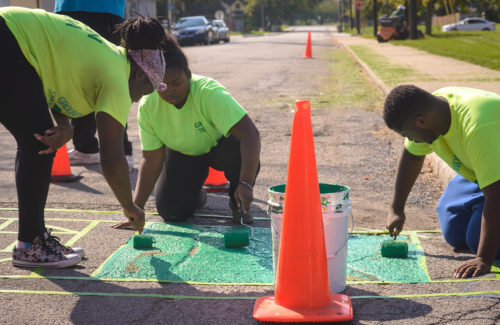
{"x": 141, "y": 33}
{"x": 174, "y": 57}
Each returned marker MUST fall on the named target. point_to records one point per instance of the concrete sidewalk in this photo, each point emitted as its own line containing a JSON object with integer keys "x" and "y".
{"x": 427, "y": 71}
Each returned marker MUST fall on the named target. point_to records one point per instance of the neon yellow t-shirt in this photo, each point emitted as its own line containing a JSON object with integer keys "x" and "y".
{"x": 472, "y": 144}
{"x": 208, "y": 114}
{"x": 81, "y": 72}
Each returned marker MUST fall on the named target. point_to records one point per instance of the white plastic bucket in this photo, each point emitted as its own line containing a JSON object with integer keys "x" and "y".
{"x": 336, "y": 209}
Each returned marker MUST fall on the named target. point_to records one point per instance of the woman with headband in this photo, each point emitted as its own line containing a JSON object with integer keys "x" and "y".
{"x": 54, "y": 61}
{"x": 193, "y": 124}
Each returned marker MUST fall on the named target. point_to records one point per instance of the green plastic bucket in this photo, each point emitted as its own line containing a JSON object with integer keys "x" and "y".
{"x": 336, "y": 209}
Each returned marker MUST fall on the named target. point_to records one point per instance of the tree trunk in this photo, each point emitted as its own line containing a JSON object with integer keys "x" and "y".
{"x": 429, "y": 12}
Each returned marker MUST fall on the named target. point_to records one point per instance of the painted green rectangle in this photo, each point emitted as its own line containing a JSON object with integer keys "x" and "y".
{"x": 191, "y": 253}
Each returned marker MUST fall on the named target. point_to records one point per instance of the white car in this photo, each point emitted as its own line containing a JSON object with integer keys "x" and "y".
{"x": 470, "y": 24}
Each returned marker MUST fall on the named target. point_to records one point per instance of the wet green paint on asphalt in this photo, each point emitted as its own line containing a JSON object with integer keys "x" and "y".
{"x": 192, "y": 253}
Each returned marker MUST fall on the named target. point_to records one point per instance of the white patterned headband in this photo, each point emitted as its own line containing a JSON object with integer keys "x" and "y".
{"x": 153, "y": 64}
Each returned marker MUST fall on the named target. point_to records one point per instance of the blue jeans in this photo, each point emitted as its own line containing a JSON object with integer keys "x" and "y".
{"x": 460, "y": 211}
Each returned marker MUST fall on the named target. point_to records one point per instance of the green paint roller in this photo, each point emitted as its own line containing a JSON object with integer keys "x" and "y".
{"x": 236, "y": 239}
{"x": 394, "y": 248}
{"x": 143, "y": 241}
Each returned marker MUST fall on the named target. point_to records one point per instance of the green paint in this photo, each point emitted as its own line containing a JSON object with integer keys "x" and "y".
{"x": 236, "y": 239}
{"x": 190, "y": 253}
{"x": 193, "y": 253}
{"x": 364, "y": 261}
{"x": 142, "y": 241}
{"x": 323, "y": 188}
{"x": 394, "y": 248}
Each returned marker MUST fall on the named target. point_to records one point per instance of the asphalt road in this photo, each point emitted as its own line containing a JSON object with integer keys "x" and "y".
{"x": 266, "y": 74}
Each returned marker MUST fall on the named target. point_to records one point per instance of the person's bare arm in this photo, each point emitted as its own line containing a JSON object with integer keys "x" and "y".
{"x": 149, "y": 170}
{"x": 114, "y": 166}
{"x": 409, "y": 167}
{"x": 248, "y": 135}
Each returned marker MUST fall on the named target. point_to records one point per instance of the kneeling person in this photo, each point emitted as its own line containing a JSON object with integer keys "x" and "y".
{"x": 193, "y": 125}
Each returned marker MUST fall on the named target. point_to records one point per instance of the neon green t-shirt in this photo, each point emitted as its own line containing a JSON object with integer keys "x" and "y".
{"x": 472, "y": 144}
{"x": 81, "y": 72}
{"x": 208, "y": 114}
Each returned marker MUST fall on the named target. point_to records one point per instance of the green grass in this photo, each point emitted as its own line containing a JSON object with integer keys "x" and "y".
{"x": 481, "y": 48}
{"x": 347, "y": 86}
{"x": 390, "y": 73}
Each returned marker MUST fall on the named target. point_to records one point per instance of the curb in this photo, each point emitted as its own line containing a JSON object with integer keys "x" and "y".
{"x": 443, "y": 172}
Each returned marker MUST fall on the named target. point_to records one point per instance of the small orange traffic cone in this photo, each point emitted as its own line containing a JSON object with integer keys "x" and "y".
{"x": 61, "y": 169}
{"x": 216, "y": 181}
{"x": 302, "y": 291}
{"x": 308, "y": 53}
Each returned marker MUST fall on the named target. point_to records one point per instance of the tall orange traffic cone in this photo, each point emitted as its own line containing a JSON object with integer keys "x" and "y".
{"x": 216, "y": 181}
{"x": 302, "y": 291}
{"x": 308, "y": 53}
{"x": 61, "y": 169}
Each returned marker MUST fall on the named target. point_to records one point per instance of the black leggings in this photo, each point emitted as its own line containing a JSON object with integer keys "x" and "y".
{"x": 180, "y": 182}
{"x": 24, "y": 111}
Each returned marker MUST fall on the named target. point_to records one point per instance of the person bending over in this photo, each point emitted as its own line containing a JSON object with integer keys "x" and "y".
{"x": 462, "y": 126}
{"x": 46, "y": 74}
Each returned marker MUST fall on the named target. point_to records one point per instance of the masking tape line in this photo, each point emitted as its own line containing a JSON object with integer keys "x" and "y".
{"x": 36, "y": 275}
{"x": 422, "y": 260}
{"x": 200, "y": 215}
{"x": 70, "y": 231}
{"x": 6, "y": 223}
{"x": 152, "y": 295}
{"x": 82, "y": 233}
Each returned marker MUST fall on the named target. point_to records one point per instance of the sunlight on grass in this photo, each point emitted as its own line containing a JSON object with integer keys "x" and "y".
{"x": 347, "y": 86}
{"x": 481, "y": 48}
{"x": 390, "y": 73}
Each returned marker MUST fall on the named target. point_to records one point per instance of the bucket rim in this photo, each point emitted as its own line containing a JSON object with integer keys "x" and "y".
{"x": 344, "y": 188}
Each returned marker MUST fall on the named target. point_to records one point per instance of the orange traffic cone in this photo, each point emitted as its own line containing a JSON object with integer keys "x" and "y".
{"x": 302, "y": 291}
{"x": 61, "y": 169}
{"x": 308, "y": 53}
{"x": 216, "y": 181}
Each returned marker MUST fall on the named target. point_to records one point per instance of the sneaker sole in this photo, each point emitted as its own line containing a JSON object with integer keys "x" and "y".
{"x": 73, "y": 260}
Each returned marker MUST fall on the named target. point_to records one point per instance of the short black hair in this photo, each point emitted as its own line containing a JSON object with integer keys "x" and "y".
{"x": 403, "y": 102}
{"x": 174, "y": 56}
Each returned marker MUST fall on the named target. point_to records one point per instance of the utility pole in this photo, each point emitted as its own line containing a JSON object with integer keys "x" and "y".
{"x": 341, "y": 18}
{"x": 169, "y": 13}
{"x": 375, "y": 18}
{"x": 351, "y": 21}
{"x": 358, "y": 16}
{"x": 262, "y": 23}
{"x": 412, "y": 17}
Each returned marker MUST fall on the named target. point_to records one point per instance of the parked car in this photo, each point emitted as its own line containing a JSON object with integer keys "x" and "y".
{"x": 193, "y": 29}
{"x": 470, "y": 24}
{"x": 222, "y": 33}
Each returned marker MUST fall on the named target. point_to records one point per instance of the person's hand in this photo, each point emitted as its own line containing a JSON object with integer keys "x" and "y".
{"x": 136, "y": 217}
{"x": 54, "y": 138}
{"x": 472, "y": 268}
{"x": 395, "y": 222}
{"x": 243, "y": 196}
{"x": 125, "y": 224}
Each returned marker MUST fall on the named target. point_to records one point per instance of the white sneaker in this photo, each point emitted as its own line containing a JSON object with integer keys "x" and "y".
{"x": 130, "y": 163}
{"x": 79, "y": 158}
{"x": 40, "y": 255}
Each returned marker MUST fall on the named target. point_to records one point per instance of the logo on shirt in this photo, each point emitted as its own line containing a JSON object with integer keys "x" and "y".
{"x": 199, "y": 126}
{"x": 456, "y": 164}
